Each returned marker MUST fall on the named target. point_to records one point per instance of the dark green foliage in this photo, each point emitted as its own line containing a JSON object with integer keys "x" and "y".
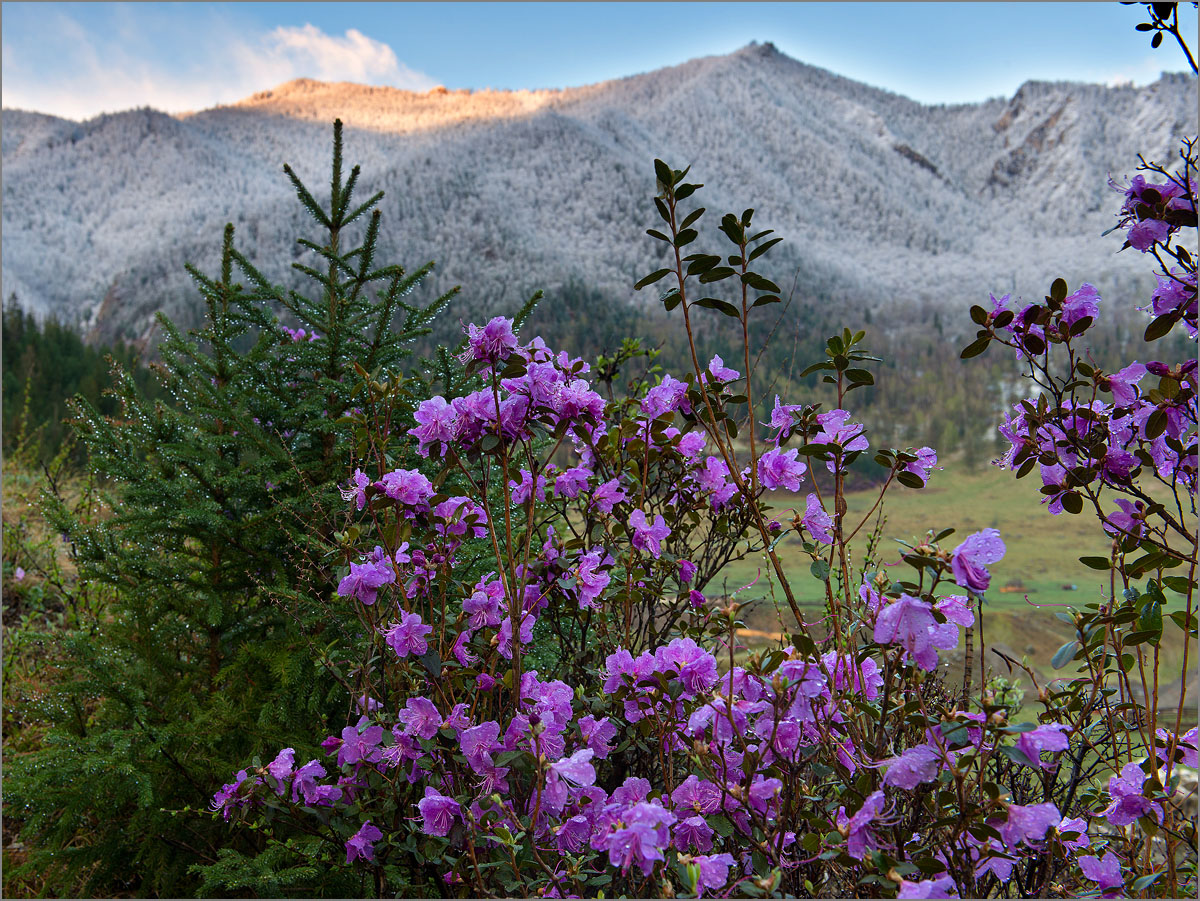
{"x": 219, "y": 544}
{"x": 45, "y": 364}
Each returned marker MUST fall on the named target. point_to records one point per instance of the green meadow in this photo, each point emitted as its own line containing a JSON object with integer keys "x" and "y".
{"x": 1039, "y": 575}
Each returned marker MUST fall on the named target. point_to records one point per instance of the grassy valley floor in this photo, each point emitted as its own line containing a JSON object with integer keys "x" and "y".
{"x": 1039, "y": 575}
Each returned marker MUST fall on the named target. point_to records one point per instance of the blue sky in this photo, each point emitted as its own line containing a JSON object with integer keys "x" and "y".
{"x": 80, "y": 59}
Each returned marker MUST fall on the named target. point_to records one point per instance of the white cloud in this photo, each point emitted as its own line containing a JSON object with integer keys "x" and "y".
{"x": 1142, "y": 72}
{"x": 221, "y": 66}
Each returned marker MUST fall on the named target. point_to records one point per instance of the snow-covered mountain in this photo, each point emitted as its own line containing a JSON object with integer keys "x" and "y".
{"x": 880, "y": 199}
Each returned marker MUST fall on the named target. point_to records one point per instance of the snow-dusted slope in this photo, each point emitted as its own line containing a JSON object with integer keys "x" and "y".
{"x": 879, "y": 198}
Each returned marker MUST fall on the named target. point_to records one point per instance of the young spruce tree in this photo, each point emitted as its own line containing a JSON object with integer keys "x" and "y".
{"x": 224, "y": 509}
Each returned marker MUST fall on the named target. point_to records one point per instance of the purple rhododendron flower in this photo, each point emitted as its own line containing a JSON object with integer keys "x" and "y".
{"x": 923, "y": 465}
{"x": 647, "y": 537}
{"x": 694, "y": 832}
{"x": 1083, "y": 304}
{"x": 867, "y": 678}
{"x": 484, "y": 604}
{"x": 572, "y": 481}
{"x": 642, "y": 838}
{"x": 356, "y": 747}
{"x": 1028, "y": 824}
{"x": 365, "y": 580}
{"x": 420, "y": 717}
{"x": 781, "y": 469}
{"x": 692, "y": 445}
{"x": 856, "y": 828}
{"x": 783, "y": 418}
{"x": 591, "y": 580}
{"x": 362, "y": 843}
{"x": 1186, "y": 746}
{"x": 914, "y": 766}
{"x": 1145, "y": 233}
{"x": 438, "y": 811}
{"x": 569, "y": 772}
{"x": 358, "y": 489}
{"x": 695, "y": 667}
{"x": 941, "y": 887}
{"x": 493, "y": 342}
{"x": 1079, "y": 825}
{"x": 520, "y": 491}
{"x": 632, "y": 790}
{"x": 479, "y": 742}
{"x": 281, "y": 768}
{"x": 597, "y": 733}
{"x": 435, "y": 425}
{"x": 1047, "y": 737}
{"x": 837, "y": 429}
{"x": 505, "y": 635}
{"x": 816, "y": 521}
{"x": 458, "y": 515}
{"x": 957, "y": 609}
{"x": 408, "y": 636}
{"x": 969, "y": 560}
{"x": 1128, "y": 802}
{"x": 714, "y": 871}
{"x": 695, "y": 794}
{"x": 231, "y": 795}
{"x": 666, "y": 397}
{"x": 1104, "y": 871}
{"x": 722, "y": 373}
{"x": 408, "y": 487}
{"x": 608, "y": 495}
{"x": 687, "y": 570}
{"x": 1123, "y": 384}
{"x": 1129, "y": 520}
{"x": 304, "y": 782}
{"x": 909, "y": 622}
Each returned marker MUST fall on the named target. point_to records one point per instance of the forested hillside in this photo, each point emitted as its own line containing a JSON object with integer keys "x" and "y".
{"x": 893, "y": 214}
{"x": 514, "y": 191}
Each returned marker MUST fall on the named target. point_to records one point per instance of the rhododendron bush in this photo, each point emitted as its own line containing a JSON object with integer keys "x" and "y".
{"x": 551, "y": 697}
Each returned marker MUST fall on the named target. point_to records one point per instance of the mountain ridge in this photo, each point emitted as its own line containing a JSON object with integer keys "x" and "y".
{"x": 880, "y": 199}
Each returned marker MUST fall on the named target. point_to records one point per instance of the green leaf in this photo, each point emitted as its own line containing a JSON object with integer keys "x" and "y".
{"x": 909, "y": 480}
{"x": 1156, "y": 424}
{"x": 1096, "y": 562}
{"x": 1159, "y": 327}
{"x": 663, "y": 173}
{"x": 1144, "y": 882}
{"x": 722, "y": 306}
{"x": 975, "y": 348}
{"x": 1072, "y": 502}
{"x": 1151, "y": 621}
{"x": 1064, "y": 655}
{"x": 1018, "y": 757}
{"x": 764, "y": 300}
{"x": 820, "y": 570}
{"x": 761, "y": 249}
{"x": 1058, "y": 290}
{"x": 1184, "y": 620}
{"x": 716, "y": 274}
{"x": 651, "y": 278}
{"x": 720, "y": 825}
